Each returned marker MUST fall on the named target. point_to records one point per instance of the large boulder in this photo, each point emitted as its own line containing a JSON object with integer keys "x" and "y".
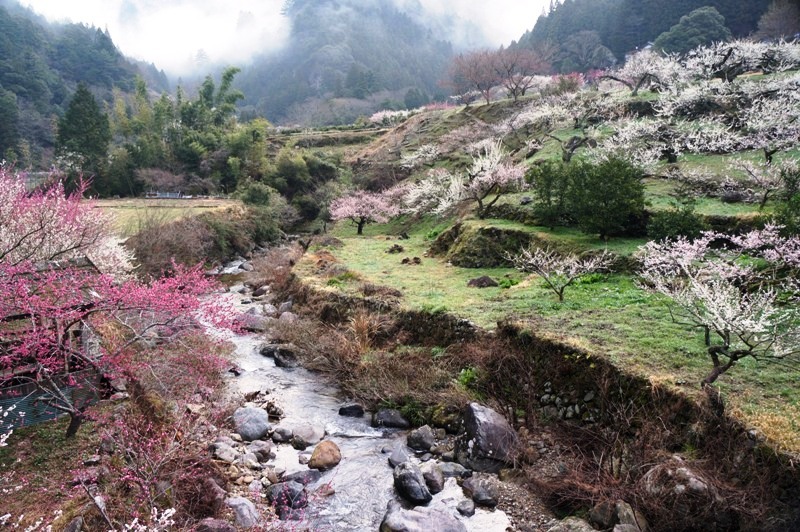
{"x": 390, "y": 418}
{"x": 326, "y": 455}
{"x": 420, "y": 519}
{"x": 410, "y": 484}
{"x": 245, "y": 512}
{"x": 488, "y": 442}
{"x": 251, "y": 423}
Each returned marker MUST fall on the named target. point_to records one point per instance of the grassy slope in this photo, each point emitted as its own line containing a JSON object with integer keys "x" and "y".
{"x": 611, "y": 317}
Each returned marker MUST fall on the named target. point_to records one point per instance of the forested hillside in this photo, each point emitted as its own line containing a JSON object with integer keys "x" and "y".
{"x": 576, "y": 29}
{"x": 40, "y": 67}
{"x": 345, "y": 59}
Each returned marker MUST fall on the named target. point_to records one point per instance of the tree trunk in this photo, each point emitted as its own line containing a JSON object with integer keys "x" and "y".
{"x": 361, "y": 223}
{"x": 75, "y": 421}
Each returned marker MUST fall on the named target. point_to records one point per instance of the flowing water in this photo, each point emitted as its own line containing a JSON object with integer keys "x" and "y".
{"x": 362, "y": 482}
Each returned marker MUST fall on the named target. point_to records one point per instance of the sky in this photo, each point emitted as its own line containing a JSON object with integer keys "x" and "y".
{"x": 179, "y": 35}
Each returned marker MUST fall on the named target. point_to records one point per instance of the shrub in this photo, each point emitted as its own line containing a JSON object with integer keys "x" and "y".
{"x": 255, "y": 193}
{"x": 551, "y": 183}
{"x": 680, "y": 221}
{"x": 607, "y": 198}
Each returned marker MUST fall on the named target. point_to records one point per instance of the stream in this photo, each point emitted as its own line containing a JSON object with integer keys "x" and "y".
{"x": 362, "y": 482}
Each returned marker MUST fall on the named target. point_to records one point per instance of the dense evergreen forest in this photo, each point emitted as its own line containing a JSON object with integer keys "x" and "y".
{"x": 41, "y": 65}
{"x": 345, "y": 59}
{"x": 574, "y": 30}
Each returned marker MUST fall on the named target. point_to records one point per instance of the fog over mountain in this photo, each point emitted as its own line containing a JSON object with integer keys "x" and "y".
{"x": 185, "y": 36}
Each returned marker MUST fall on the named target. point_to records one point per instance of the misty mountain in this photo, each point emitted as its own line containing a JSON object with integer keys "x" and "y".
{"x": 41, "y": 65}
{"x": 621, "y": 26}
{"x": 345, "y": 58}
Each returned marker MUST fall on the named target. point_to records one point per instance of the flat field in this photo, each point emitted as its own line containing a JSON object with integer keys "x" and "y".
{"x": 132, "y": 213}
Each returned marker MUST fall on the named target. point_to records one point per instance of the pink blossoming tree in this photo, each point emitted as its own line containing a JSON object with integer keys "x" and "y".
{"x": 362, "y": 207}
{"x": 59, "y": 314}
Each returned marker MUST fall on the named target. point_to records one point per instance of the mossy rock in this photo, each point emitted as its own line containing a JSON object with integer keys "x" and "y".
{"x": 469, "y": 246}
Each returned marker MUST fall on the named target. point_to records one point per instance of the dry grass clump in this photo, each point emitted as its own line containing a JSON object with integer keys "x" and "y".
{"x": 274, "y": 268}
{"x": 782, "y": 430}
{"x": 365, "y": 355}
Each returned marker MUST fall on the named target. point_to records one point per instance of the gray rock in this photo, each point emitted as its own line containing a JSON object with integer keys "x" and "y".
{"x": 258, "y": 324}
{"x": 287, "y": 496}
{"x": 488, "y": 443}
{"x": 410, "y": 484}
{"x": 482, "y": 492}
{"x": 603, "y": 515}
{"x": 237, "y": 288}
{"x": 434, "y": 478}
{"x": 224, "y": 452}
{"x": 288, "y": 317}
{"x": 420, "y": 519}
{"x": 282, "y": 435}
{"x": 354, "y": 410}
{"x": 466, "y": 508}
{"x": 572, "y": 524}
{"x": 390, "y": 418}
{"x": 247, "y": 267}
{"x": 215, "y": 525}
{"x": 261, "y": 291}
{"x": 454, "y": 470}
{"x": 483, "y": 281}
{"x": 286, "y": 306}
{"x": 76, "y": 525}
{"x": 245, "y": 512}
{"x": 285, "y": 360}
{"x": 251, "y": 423}
{"x": 303, "y": 477}
{"x": 400, "y": 455}
{"x": 306, "y": 435}
{"x": 628, "y": 517}
{"x": 285, "y": 355}
{"x": 421, "y": 439}
{"x": 262, "y": 450}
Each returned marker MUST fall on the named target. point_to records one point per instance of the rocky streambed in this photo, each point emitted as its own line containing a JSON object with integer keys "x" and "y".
{"x": 300, "y": 452}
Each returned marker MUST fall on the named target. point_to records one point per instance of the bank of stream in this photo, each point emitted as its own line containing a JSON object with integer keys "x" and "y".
{"x": 354, "y": 495}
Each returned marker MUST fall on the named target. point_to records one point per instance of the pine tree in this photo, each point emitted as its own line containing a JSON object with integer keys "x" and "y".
{"x": 83, "y": 138}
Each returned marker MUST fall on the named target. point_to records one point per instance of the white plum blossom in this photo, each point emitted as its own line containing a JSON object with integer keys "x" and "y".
{"x": 439, "y": 192}
{"x": 646, "y": 69}
{"x": 425, "y": 154}
{"x": 559, "y": 270}
{"x": 713, "y": 286}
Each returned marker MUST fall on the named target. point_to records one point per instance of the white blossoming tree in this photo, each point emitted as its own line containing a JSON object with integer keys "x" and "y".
{"x": 557, "y": 270}
{"x": 740, "y": 308}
